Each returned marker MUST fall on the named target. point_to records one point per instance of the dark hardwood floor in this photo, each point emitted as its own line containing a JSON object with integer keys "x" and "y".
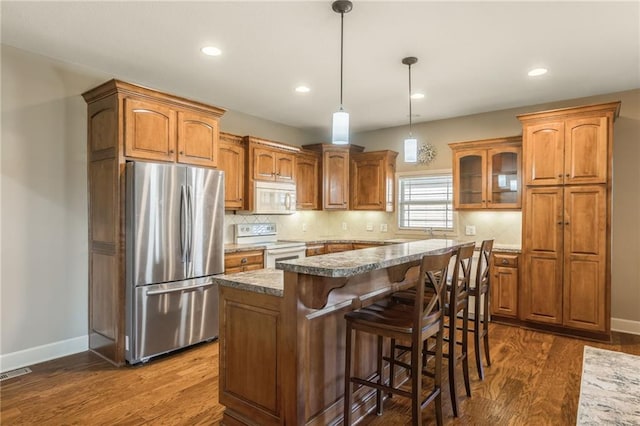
{"x": 534, "y": 379}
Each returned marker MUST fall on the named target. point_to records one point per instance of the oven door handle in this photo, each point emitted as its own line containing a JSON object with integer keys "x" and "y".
{"x": 286, "y": 250}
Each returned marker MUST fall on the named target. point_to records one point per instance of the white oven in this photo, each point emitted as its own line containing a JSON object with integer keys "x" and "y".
{"x": 280, "y": 253}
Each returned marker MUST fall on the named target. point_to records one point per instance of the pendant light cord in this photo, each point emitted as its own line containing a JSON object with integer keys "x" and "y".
{"x": 341, "y": 53}
{"x": 410, "y": 100}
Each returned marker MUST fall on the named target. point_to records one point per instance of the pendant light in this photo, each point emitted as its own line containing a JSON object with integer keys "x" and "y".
{"x": 340, "y": 128}
{"x": 410, "y": 143}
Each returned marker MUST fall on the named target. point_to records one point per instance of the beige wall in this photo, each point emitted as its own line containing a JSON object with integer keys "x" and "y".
{"x": 626, "y": 180}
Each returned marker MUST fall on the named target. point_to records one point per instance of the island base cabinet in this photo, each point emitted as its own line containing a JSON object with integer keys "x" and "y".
{"x": 283, "y": 363}
{"x": 249, "y": 380}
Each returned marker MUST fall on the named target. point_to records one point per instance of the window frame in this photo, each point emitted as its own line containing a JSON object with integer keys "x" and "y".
{"x": 425, "y": 173}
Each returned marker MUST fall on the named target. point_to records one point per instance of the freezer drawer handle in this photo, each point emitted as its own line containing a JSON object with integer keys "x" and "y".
{"x": 176, "y": 290}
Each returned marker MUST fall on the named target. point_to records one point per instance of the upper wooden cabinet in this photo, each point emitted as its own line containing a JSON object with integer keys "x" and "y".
{"x": 569, "y": 146}
{"x": 271, "y": 161}
{"x": 268, "y": 161}
{"x": 487, "y": 174}
{"x": 372, "y": 180}
{"x": 308, "y": 180}
{"x": 165, "y": 128}
{"x": 335, "y": 174}
{"x": 197, "y": 139}
{"x": 231, "y": 160}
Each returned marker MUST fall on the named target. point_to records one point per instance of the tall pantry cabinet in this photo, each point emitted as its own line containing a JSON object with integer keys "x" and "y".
{"x": 567, "y": 159}
{"x": 129, "y": 122}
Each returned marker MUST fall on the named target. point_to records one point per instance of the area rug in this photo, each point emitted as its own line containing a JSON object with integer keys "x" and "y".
{"x": 610, "y": 388}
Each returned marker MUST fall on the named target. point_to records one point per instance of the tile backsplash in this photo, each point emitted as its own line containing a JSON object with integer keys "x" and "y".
{"x": 504, "y": 227}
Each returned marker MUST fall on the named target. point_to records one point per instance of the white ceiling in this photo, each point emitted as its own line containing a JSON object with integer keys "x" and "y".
{"x": 473, "y": 56}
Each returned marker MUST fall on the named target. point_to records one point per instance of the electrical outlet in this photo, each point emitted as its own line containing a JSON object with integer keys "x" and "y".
{"x": 304, "y": 227}
{"x": 370, "y": 227}
{"x": 383, "y": 227}
{"x": 344, "y": 226}
{"x": 470, "y": 230}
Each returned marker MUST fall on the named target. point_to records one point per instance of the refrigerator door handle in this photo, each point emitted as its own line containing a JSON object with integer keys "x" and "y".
{"x": 183, "y": 223}
{"x": 190, "y": 222}
{"x": 179, "y": 289}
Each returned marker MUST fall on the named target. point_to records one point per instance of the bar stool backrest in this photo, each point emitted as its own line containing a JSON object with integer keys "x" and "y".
{"x": 461, "y": 278}
{"x": 433, "y": 277}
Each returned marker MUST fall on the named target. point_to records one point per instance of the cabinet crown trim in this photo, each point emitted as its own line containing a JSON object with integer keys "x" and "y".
{"x": 272, "y": 144}
{"x": 487, "y": 143}
{"x": 609, "y": 107}
{"x": 117, "y": 86}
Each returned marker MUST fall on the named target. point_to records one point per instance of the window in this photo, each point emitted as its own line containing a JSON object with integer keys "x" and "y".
{"x": 426, "y": 201}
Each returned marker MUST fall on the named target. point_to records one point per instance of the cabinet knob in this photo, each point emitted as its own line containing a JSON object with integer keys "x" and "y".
{"x": 567, "y": 175}
{"x": 505, "y": 262}
{"x": 560, "y": 223}
{"x": 566, "y": 223}
{"x": 240, "y": 199}
{"x": 170, "y": 151}
{"x": 559, "y": 175}
{"x": 181, "y": 152}
{"x": 243, "y": 260}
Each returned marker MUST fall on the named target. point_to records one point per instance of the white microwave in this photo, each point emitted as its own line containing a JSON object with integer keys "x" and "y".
{"x": 274, "y": 198}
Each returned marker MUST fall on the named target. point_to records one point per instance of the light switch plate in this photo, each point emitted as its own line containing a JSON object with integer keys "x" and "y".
{"x": 383, "y": 227}
{"x": 370, "y": 227}
{"x": 304, "y": 227}
{"x": 344, "y": 226}
{"x": 470, "y": 230}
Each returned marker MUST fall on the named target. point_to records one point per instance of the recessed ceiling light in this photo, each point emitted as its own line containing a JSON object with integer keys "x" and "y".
{"x": 302, "y": 89}
{"x": 537, "y": 71}
{"x": 211, "y": 51}
{"x": 417, "y": 96}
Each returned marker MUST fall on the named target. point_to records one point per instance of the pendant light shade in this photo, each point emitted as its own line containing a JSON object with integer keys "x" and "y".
{"x": 410, "y": 143}
{"x": 340, "y": 128}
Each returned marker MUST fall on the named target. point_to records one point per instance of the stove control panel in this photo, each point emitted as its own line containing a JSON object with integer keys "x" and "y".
{"x": 255, "y": 229}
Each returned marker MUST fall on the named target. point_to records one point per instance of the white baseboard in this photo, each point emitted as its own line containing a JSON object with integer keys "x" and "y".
{"x": 625, "y": 326}
{"x": 31, "y": 356}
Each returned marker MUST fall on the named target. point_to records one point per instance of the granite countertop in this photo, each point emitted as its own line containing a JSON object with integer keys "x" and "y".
{"x": 235, "y": 248}
{"x": 349, "y": 263}
{"x": 267, "y": 281}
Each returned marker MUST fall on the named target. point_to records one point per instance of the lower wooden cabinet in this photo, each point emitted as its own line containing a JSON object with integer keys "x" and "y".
{"x": 338, "y": 247}
{"x": 243, "y": 261}
{"x": 315, "y": 249}
{"x": 504, "y": 287}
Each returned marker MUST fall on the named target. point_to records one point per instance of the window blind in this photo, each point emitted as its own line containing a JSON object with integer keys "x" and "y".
{"x": 426, "y": 201}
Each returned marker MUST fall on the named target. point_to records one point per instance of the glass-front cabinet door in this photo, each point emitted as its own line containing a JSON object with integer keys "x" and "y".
{"x": 469, "y": 193}
{"x": 487, "y": 174}
{"x": 503, "y": 178}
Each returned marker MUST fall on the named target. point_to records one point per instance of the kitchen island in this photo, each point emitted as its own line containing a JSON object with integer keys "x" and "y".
{"x": 282, "y": 332}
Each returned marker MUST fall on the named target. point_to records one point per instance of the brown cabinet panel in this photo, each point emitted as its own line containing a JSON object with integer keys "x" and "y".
{"x": 585, "y": 153}
{"x": 338, "y": 247}
{"x": 544, "y": 153}
{"x": 372, "y": 177}
{"x": 542, "y": 289}
{"x": 231, "y": 160}
{"x": 243, "y": 261}
{"x": 335, "y": 172}
{"x": 487, "y": 174}
{"x": 585, "y": 257}
{"x": 285, "y": 167}
{"x": 307, "y": 181}
{"x": 197, "y": 139}
{"x": 504, "y": 291}
{"x": 103, "y": 201}
{"x": 150, "y": 130}
{"x": 315, "y": 250}
{"x": 264, "y": 164}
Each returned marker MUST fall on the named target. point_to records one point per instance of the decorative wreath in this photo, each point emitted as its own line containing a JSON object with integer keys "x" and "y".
{"x": 426, "y": 153}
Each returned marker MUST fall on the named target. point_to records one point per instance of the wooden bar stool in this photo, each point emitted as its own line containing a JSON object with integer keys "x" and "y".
{"x": 408, "y": 323}
{"x": 456, "y": 309}
{"x": 481, "y": 292}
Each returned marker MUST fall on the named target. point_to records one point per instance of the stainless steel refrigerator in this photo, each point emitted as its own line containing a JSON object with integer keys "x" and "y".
{"x": 174, "y": 244}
